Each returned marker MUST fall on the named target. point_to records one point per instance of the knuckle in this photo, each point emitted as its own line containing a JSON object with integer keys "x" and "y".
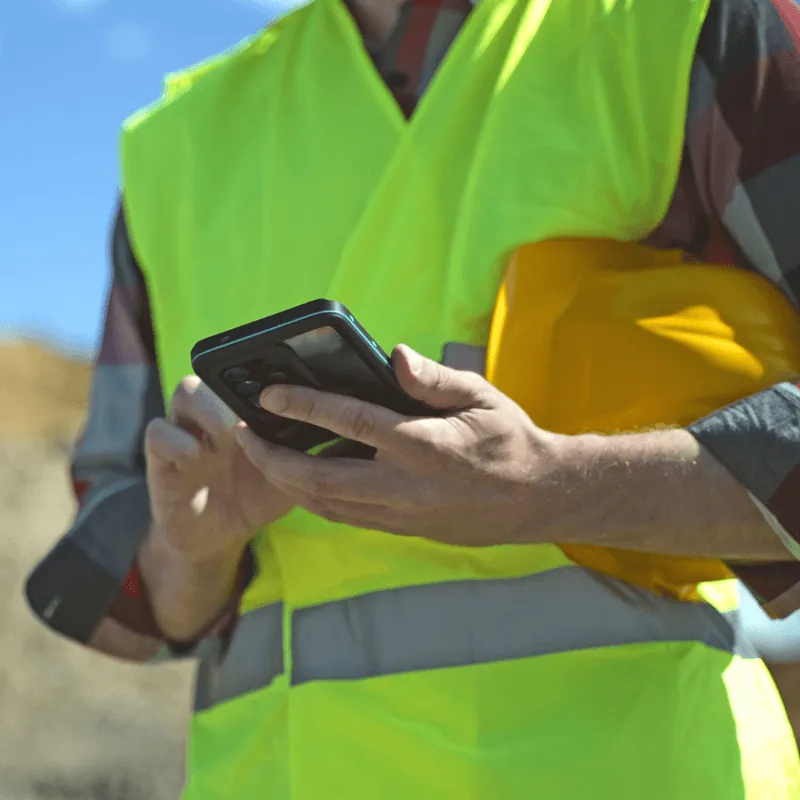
{"x": 154, "y": 433}
{"x": 321, "y": 485}
{"x": 481, "y": 389}
{"x": 433, "y": 448}
{"x": 440, "y": 380}
{"x": 312, "y": 409}
{"x": 359, "y": 424}
{"x": 419, "y": 432}
{"x": 476, "y": 382}
{"x": 420, "y": 436}
{"x": 306, "y": 409}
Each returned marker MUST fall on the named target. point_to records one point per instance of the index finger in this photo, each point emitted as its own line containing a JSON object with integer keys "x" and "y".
{"x": 347, "y": 417}
{"x": 197, "y": 409}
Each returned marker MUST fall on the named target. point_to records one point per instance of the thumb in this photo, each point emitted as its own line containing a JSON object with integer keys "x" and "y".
{"x": 436, "y": 385}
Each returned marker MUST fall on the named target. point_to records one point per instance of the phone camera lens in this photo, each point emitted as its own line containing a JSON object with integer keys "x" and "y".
{"x": 248, "y": 387}
{"x": 278, "y": 377}
{"x": 236, "y": 374}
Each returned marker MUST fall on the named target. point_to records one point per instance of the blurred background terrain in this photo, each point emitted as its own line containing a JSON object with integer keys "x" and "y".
{"x": 74, "y": 725}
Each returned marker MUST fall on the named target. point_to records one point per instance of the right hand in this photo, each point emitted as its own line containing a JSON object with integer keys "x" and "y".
{"x": 207, "y": 499}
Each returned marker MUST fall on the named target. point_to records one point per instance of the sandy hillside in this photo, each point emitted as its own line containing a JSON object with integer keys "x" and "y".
{"x": 74, "y": 725}
{"x": 42, "y": 394}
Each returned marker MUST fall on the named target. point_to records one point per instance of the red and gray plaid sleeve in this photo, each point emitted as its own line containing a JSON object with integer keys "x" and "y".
{"x": 91, "y": 573}
{"x": 738, "y": 201}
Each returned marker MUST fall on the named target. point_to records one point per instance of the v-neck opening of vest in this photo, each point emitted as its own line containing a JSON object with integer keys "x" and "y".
{"x": 375, "y": 80}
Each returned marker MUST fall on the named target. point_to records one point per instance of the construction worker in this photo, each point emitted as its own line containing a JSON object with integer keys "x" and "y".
{"x": 404, "y": 626}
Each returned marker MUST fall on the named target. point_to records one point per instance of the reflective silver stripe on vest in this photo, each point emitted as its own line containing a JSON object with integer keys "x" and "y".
{"x": 253, "y": 658}
{"x": 455, "y": 624}
{"x": 472, "y": 622}
{"x": 468, "y": 357}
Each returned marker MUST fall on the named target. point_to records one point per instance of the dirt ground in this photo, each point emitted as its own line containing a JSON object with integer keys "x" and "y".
{"x": 74, "y": 725}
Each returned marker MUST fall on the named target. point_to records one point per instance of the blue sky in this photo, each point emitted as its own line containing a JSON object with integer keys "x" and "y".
{"x": 70, "y": 72}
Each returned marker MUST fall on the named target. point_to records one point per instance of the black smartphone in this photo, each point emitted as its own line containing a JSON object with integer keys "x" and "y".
{"x": 318, "y": 344}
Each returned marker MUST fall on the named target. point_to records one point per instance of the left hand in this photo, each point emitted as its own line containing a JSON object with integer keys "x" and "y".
{"x": 482, "y": 474}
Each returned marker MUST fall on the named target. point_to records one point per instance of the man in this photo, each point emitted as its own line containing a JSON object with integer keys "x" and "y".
{"x": 422, "y": 660}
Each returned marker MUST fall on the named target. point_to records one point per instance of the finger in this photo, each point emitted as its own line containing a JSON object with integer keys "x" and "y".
{"x": 347, "y": 417}
{"x": 358, "y": 515}
{"x": 436, "y": 385}
{"x": 196, "y": 408}
{"x": 336, "y": 478}
{"x": 169, "y": 443}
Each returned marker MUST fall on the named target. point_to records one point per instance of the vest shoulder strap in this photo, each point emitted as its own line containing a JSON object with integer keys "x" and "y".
{"x": 178, "y": 84}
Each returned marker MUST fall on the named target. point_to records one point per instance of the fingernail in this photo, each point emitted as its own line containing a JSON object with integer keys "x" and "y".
{"x": 414, "y": 361}
{"x": 274, "y": 399}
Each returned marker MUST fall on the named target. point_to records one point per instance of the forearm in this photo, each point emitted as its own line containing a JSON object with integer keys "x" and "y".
{"x": 660, "y": 492}
{"x": 187, "y": 597}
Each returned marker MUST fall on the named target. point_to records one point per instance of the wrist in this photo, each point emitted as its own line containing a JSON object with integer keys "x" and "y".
{"x": 576, "y": 462}
{"x": 606, "y": 477}
{"x": 158, "y": 550}
{"x": 187, "y": 594}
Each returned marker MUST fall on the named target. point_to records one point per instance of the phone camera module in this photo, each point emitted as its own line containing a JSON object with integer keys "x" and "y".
{"x": 236, "y": 374}
{"x": 248, "y": 387}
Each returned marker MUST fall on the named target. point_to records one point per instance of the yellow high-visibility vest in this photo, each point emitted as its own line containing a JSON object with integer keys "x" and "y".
{"x": 371, "y": 666}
